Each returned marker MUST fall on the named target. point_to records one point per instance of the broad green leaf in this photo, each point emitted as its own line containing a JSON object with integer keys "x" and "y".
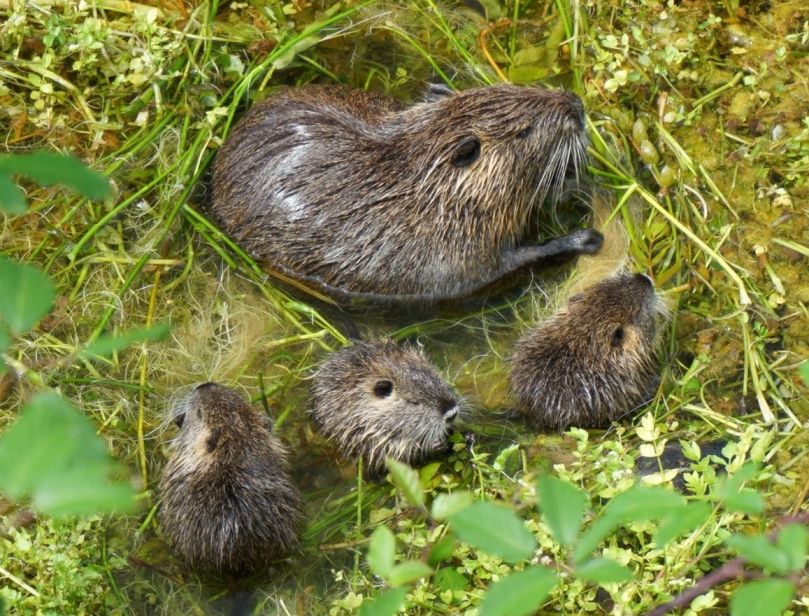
{"x": 762, "y": 598}
{"x": 518, "y": 594}
{"x": 562, "y": 506}
{"x": 681, "y": 521}
{"x": 803, "y": 370}
{"x": 11, "y": 200}
{"x": 745, "y": 501}
{"x": 53, "y": 455}
{"x": 407, "y": 480}
{"x": 449, "y": 579}
{"x": 639, "y": 503}
{"x": 736, "y": 498}
{"x": 408, "y": 571}
{"x": 758, "y": 550}
{"x": 2, "y": 607}
{"x": 446, "y": 505}
{"x": 494, "y": 529}
{"x": 382, "y": 551}
{"x": 48, "y": 168}
{"x": 602, "y": 571}
{"x": 27, "y": 295}
{"x": 792, "y": 540}
{"x": 386, "y": 604}
{"x": 107, "y": 345}
{"x": 442, "y": 550}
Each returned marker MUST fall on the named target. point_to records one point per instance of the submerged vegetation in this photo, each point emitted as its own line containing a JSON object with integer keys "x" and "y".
{"x": 699, "y": 121}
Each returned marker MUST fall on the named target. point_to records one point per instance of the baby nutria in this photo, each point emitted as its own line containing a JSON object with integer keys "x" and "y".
{"x": 358, "y": 196}
{"x": 228, "y": 504}
{"x": 594, "y": 360}
{"x": 380, "y": 399}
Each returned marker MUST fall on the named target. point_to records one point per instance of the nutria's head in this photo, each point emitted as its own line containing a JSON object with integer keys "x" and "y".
{"x": 227, "y": 502}
{"x": 379, "y": 400}
{"x": 594, "y": 360}
{"x": 508, "y": 146}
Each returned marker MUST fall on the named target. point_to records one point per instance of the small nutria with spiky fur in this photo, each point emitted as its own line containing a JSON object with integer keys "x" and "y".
{"x": 594, "y": 360}
{"x": 360, "y": 197}
{"x": 228, "y": 504}
{"x": 381, "y": 399}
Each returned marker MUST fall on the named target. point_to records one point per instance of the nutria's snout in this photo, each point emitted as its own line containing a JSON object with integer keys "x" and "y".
{"x": 575, "y": 118}
{"x": 594, "y": 360}
{"x": 376, "y": 400}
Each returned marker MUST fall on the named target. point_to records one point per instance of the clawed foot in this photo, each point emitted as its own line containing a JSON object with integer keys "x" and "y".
{"x": 586, "y": 241}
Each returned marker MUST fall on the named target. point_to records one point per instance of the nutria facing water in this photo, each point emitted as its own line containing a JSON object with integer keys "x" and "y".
{"x": 360, "y": 197}
{"x": 594, "y": 360}
{"x": 228, "y": 504}
{"x": 380, "y": 399}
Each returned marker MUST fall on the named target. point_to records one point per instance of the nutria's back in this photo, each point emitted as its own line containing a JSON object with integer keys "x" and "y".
{"x": 594, "y": 360}
{"x": 227, "y": 502}
{"x": 354, "y": 190}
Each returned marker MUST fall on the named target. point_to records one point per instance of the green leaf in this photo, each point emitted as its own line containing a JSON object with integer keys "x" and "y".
{"x": 449, "y": 579}
{"x": 562, "y": 506}
{"x": 442, "y": 550}
{"x": 518, "y": 594}
{"x": 761, "y": 598}
{"x": 745, "y": 501}
{"x": 386, "y": 604}
{"x": 27, "y": 295}
{"x": 408, "y": 571}
{"x": 494, "y": 529}
{"x": 792, "y": 540}
{"x": 637, "y": 504}
{"x": 382, "y": 551}
{"x": 407, "y": 480}
{"x": 11, "y": 200}
{"x": 107, "y": 345}
{"x": 602, "y": 571}
{"x": 758, "y": 550}
{"x": 735, "y": 498}
{"x": 681, "y": 521}
{"x": 48, "y": 168}
{"x": 53, "y": 455}
{"x": 446, "y": 505}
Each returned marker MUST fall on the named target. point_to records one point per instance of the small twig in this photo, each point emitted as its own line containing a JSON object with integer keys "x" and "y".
{"x": 29, "y": 589}
{"x": 139, "y": 562}
{"x": 731, "y": 570}
{"x": 329, "y": 547}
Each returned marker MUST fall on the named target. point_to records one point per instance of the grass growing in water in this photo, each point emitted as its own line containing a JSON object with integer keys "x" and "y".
{"x": 696, "y": 121}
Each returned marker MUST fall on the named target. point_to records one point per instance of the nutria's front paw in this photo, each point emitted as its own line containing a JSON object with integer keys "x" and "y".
{"x": 587, "y": 241}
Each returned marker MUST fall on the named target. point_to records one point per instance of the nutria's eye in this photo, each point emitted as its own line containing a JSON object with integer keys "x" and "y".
{"x": 383, "y": 389}
{"x": 178, "y": 421}
{"x": 524, "y": 132}
{"x": 466, "y": 152}
{"x": 617, "y": 336}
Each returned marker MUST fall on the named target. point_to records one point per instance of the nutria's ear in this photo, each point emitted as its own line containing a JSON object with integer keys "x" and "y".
{"x": 436, "y": 91}
{"x": 213, "y": 439}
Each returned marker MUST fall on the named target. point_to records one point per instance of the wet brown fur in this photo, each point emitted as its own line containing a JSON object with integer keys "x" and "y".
{"x": 357, "y": 193}
{"x": 227, "y": 502}
{"x": 594, "y": 360}
{"x": 409, "y": 421}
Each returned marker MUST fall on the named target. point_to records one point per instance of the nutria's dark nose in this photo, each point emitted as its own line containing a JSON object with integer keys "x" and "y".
{"x": 575, "y": 109}
{"x": 449, "y": 409}
{"x": 644, "y": 279}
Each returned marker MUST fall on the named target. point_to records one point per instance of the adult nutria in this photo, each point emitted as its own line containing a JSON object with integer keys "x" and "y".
{"x": 379, "y": 400}
{"x": 594, "y": 360}
{"x": 358, "y": 196}
{"x": 228, "y": 504}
